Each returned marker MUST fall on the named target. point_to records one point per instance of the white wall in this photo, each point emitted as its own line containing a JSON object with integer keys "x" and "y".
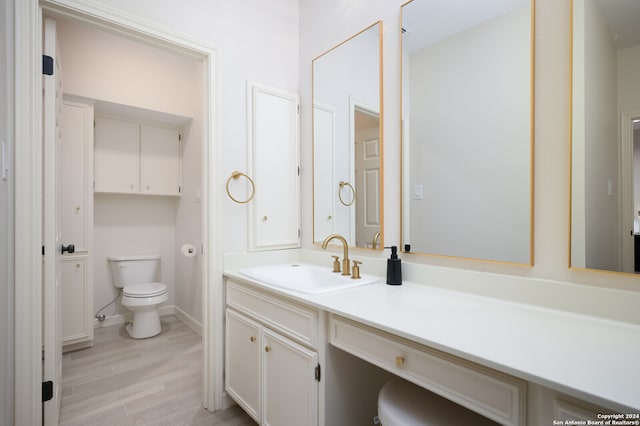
{"x": 102, "y": 66}
{"x": 6, "y": 215}
{"x": 471, "y": 139}
{"x": 628, "y": 84}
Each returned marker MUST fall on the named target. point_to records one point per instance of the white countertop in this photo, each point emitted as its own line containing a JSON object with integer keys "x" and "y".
{"x": 578, "y": 354}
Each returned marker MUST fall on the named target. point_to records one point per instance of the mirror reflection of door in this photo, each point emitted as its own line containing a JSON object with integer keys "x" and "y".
{"x": 367, "y": 173}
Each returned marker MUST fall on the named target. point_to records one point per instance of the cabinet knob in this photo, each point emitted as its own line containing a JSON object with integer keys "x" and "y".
{"x": 131, "y": 186}
{"x": 77, "y": 209}
{"x": 78, "y": 265}
{"x": 265, "y": 218}
{"x": 252, "y": 338}
{"x": 399, "y": 361}
{"x": 267, "y": 348}
{"x": 148, "y": 186}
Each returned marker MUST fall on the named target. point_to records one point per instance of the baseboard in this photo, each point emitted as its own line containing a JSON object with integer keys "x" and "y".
{"x": 188, "y": 319}
{"x": 128, "y": 317}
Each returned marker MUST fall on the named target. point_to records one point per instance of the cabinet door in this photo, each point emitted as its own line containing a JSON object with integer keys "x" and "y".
{"x": 242, "y": 362}
{"x": 76, "y": 314}
{"x": 289, "y": 387}
{"x": 274, "y": 159}
{"x": 77, "y": 140}
{"x": 116, "y": 152}
{"x": 159, "y": 161}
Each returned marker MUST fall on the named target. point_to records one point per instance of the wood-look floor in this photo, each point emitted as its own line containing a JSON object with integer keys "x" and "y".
{"x": 123, "y": 381}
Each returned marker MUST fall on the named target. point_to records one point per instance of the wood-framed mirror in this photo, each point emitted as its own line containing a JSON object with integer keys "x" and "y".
{"x": 467, "y": 129}
{"x": 347, "y": 140}
{"x": 605, "y": 136}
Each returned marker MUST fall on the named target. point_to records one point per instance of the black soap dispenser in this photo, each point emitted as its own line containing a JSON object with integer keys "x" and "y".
{"x": 394, "y": 268}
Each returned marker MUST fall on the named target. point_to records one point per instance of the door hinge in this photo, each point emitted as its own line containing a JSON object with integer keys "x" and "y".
{"x": 179, "y": 189}
{"x": 47, "y": 391}
{"x": 298, "y": 108}
{"x": 298, "y": 170}
{"x": 43, "y": 250}
{"x": 179, "y": 137}
{"x": 317, "y": 373}
{"x": 47, "y": 65}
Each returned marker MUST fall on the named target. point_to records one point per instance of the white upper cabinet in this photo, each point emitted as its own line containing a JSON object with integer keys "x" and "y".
{"x": 135, "y": 158}
{"x": 116, "y": 150}
{"x": 274, "y": 163}
{"x": 159, "y": 161}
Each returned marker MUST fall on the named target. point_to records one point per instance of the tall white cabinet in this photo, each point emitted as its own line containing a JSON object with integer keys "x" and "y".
{"x": 77, "y": 224}
{"x": 274, "y": 159}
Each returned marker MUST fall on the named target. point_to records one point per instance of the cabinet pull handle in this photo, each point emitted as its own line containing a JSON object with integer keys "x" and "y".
{"x": 400, "y": 361}
{"x": 267, "y": 348}
{"x": 252, "y": 338}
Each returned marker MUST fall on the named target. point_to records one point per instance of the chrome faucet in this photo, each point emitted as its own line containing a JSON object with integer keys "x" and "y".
{"x": 346, "y": 269}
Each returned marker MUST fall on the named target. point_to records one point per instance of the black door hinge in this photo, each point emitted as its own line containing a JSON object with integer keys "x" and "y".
{"x": 47, "y": 65}
{"x": 317, "y": 375}
{"x": 43, "y": 250}
{"x": 47, "y": 391}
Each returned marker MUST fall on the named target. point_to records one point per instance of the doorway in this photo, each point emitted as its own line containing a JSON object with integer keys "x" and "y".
{"x": 28, "y": 99}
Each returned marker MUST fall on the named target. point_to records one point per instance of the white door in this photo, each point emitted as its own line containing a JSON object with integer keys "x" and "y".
{"x": 52, "y": 104}
{"x": 367, "y": 170}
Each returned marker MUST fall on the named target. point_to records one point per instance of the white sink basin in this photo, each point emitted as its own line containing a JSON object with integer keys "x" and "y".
{"x": 305, "y": 278}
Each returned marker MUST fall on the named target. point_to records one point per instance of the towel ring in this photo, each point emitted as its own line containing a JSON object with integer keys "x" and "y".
{"x": 236, "y": 175}
{"x": 353, "y": 192}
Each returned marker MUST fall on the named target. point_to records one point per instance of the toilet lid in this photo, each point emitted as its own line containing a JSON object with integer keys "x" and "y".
{"x": 145, "y": 290}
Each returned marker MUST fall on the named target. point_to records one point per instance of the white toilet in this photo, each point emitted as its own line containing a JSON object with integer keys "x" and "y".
{"x": 137, "y": 277}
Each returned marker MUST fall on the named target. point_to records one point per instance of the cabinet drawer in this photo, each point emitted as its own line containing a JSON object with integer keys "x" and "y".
{"x": 493, "y": 394}
{"x": 288, "y": 318}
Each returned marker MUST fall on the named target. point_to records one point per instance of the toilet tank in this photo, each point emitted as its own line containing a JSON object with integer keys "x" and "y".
{"x": 126, "y": 270}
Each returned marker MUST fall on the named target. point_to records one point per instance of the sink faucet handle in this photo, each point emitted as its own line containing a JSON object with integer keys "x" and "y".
{"x": 355, "y": 271}
{"x": 336, "y": 264}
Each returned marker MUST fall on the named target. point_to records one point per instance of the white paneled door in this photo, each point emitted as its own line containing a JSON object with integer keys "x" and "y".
{"x": 51, "y": 227}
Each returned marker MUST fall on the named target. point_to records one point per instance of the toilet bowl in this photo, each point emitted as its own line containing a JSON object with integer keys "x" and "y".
{"x": 141, "y": 293}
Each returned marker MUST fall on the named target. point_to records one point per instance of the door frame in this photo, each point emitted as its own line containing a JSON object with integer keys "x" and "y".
{"x": 28, "y": 171}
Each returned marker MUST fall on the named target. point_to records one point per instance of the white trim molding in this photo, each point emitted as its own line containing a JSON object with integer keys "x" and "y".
{"x": 28, "y": 213}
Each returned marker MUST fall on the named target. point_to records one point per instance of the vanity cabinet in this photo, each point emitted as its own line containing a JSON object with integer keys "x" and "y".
{"x": 136, "y": 158}
{"x": 76, "y": 222}
{"x": 271, "y": 357}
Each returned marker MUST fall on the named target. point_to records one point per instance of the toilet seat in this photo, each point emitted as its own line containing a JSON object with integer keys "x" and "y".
{"x": 144, "y": 290}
